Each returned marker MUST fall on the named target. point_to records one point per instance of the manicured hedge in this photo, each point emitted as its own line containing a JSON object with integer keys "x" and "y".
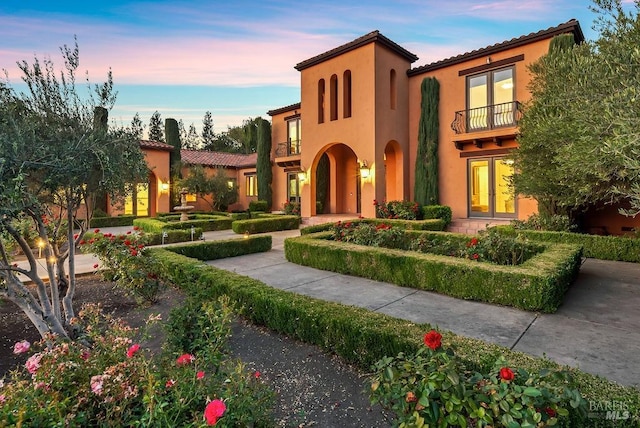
{"x": 442, "y": 212}
{"x": 206, "y": 224}
{"x": 258, "y": 206}
{"x": 121, "y": 220}
{"x": 620, "y": 248}
{"x": 538, "y": 284}
{"x": 430, "y": 224}
{"x": 155, "y": 238}
{"x": 224, "y": 248}
{"x": 266, "y": 223}
{"x": 363, "y": 337}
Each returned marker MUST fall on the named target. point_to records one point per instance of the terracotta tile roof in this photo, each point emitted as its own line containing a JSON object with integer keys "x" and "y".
{"x": 285, "y": 109}
{"x": 148, "y": 144}
{"x": 372, "y": 37}
{"x": 571, "y": 26}
{"x": 218, "y": 159}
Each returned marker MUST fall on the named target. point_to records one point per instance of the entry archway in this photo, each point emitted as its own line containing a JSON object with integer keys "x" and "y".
{"x": 343, "y": 195}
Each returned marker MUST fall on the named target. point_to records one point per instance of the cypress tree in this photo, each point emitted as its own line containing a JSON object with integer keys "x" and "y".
{"x": 263, "y": 165}
{"x": 561, "y": 43}
{"x": 426, "y": 168}
{"x": 172, "y": 133}
{"x": 155, "y": 127}
{"x": 322, "y": 181}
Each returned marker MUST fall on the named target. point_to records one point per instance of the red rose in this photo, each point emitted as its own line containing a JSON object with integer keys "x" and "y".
{"x": 185, "y": 359}
{"x": 213, "y": 411}
{"x": 200, "y": 375}
{"x": 550, "y": 412}
{"x": 506, "y": 373}
{"x": 96, "y": 231}
{"x": 132, "y": 350}
{"x": 475, "y": 256}
{"x": 170, "y": 383}
{"x": 433, "y": 339}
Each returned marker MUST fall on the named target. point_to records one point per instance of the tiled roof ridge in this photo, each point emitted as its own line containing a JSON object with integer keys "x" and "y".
{"x": 284, "y": 109}
{"x": 152, "y": 144}
{"x": 220, "y": 159}
{"x": 570, "y": 26}
{"x": 374, "y": 36}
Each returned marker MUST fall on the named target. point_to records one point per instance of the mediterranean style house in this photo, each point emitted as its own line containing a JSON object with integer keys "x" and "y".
{"x": 360, "y": 106}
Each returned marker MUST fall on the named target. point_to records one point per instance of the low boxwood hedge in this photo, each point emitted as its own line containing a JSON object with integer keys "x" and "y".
{"x": 618, "y": 248}
{"x": 224, "y": 248}
{"x": 429, "y": 224}
{"x": 363, "y": 337}
{"x": 121, "y": 220}
{"x": 207, "y": 223}
{"x": 442, "y": 212}
{"x": 155, "y": 238}
{"x": 538, "y": 284}
{"x": 266, "y": 223}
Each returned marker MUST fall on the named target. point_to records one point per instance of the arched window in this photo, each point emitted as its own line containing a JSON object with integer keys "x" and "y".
{"x": 346, "y": 96}
{"x": 333, "y": 94}
{"x": 321, "y": 101}
{"x": 393, "y": 93}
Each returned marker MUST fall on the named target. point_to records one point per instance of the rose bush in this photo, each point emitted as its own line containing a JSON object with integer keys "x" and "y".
{"x": 106, "y": 378}
{"x": 432, "y": 388}
{"x": 126, "y": 262}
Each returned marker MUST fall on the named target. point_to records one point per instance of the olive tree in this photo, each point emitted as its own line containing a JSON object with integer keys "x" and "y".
{"x": 56, "y": 156}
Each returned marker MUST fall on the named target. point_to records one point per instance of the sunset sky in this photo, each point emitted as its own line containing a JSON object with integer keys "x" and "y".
{"x": 236, "y": 58}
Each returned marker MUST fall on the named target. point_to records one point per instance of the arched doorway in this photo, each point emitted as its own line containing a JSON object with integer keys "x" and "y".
{"x": 394, "y": 177}
{"x": 343, "y": 180}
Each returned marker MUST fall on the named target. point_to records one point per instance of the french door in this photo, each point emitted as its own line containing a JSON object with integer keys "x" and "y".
{"x": 490, "y": 191}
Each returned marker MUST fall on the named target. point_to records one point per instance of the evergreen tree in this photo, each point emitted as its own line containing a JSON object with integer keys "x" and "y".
{"x": 193, "y": 141}
{"x": 137, "y": 128}
{"x": 426, "y": 168}
{"x": 263, "y": 165}
{"x": 155, "y": 128}
{"x": 208, "y": 135}
{"x": 183, "y": 133}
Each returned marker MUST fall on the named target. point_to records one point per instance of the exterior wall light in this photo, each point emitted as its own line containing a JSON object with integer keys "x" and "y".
{"x": 164, "y": 187}
{"x": 364, "y": 169}
{"x": 302, "y": 175}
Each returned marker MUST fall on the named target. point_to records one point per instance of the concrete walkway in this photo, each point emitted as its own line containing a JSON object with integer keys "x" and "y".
{"x": 596, "y": 329}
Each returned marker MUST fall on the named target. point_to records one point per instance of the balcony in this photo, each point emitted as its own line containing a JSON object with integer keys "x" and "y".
{"x": 486, "y": 124}
{"x": 288, "y": 154}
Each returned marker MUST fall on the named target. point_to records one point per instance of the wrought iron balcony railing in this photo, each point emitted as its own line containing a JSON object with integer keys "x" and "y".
{"x": 488, "y": 117}
{"x": 288, "y": 148}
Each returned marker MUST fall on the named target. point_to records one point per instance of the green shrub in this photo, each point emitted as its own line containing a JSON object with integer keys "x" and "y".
{"x": 363, "y": 337}
{"x": 379, "y": 235}
{"x": 538, "y": 284}
{"x": 442, "y": 212}
{"x": 258, "y": 206}
{"x": 266, "y": 224}
{"x": 292, "y": 208}
{"x": 432, "y": 387}
{"x": 430, "y": 224}
{"x": 121, "y": 220}
{"x": 99, "y": 213}
{"x": 620, "y": 248}
{"x": 552, "y": 223}
{"x": 405, "y": 210}
{"x": 214, "y": 250}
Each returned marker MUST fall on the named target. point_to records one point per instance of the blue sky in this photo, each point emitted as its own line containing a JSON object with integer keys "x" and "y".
{"x": 236, "y": 58}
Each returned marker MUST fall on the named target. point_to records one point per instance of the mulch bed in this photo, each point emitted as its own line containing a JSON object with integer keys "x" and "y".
{"x": 313, "y": 388}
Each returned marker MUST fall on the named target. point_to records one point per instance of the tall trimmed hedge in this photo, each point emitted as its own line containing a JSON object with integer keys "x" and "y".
{"x": 426, "y": 169}
{"x": 263, "y": 163}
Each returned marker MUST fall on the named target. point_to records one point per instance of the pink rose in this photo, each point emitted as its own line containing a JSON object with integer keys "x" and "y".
{"x": 200, "y": 375}
{"x": 33, "y": 363}
{"x": 21, "y": 347}
{"x": 97, "y": 384}
{"x": 213, "y": 411}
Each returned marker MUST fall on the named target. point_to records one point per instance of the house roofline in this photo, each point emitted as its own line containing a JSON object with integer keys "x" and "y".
{"x": 285, "y": 109}
{"x": 571, "y": 26}
{"x": 372, "y": 37}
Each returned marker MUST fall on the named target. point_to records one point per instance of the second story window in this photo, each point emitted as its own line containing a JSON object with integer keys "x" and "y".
{"x": 490, "y": 97}
{"x": 294, "y": 136}
{"x": 333, "y": 97}
{"x": 346, "y": 95}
